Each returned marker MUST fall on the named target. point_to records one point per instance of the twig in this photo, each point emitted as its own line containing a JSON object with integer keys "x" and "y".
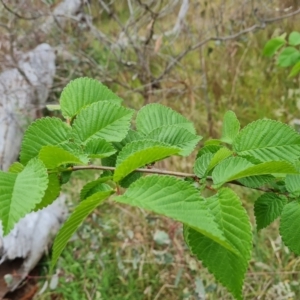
{"x": 18, "y": 15}
{"x": 255, "y": 27}
{"x": 150, "y": 171}
{"x": 164, "y": 172}
{"x": 207, "y": 101}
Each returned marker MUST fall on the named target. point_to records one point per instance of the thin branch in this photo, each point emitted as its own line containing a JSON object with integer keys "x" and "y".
{"x": 255, "y": 27}
{"x": 163, "y": 172}
{"x": 149, "y": 171}
{"x": 18, "y": 15}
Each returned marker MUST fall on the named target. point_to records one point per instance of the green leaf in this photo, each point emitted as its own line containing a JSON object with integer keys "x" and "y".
{"x": 289, "y": 226}
{"x": 256, "y": 181}
{"x": 65, "y": 177}
{"x": 91, "y": 186}
{"x": 267, "y": 208}
{"x": 51, "y": 193}
{"x": 234, "y": 168}
{"x": 82, "y": 92}
{"x": 288, "y": 57}
{"x": 295, "y": 70}
{"x": 219, "y": 156}
{"x": 129, "y": 179}
{"x": 272, "y": 46}
{"x": 131, "y": 136}
{"x": 228, "y": 267}
{"x": 231, "y": 127}
{"x": 140, "y": 153}
{"x": 20, "y": 192}
{"x": 268, "y": 140}
{"x": 76, "y": 150}
{"x": 99, "y": 148}
{"x": 201, "y": 165}
{"x": 74, "y": 221}
{"x": 292, "y": 182}
{"x": 155, "y": 115}
{"x": 16, "y": 167}
{"x": 103, "y": 187}
{"x": 294, "y": 38}
{"x": 212, "y": 142}
{"x": 176, "y": 136}
{"x": 102, "y": 120}
{"x": 176, "y": 199}
{"x": 278, "y": 186}
{"x": 228, "y": 168}
{"x": 208, "y": 149}
{"x": 53, "y": 157}
{"x": 43, "y": 132}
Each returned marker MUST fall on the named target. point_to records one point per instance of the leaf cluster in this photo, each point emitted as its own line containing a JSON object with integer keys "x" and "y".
{"x": 264, "y": 155}
{"x": 287, "y": 50}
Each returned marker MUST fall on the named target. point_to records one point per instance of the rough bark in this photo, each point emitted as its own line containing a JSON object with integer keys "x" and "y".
{"x": 23, "y": 89}
{"x": 21, "y": 250}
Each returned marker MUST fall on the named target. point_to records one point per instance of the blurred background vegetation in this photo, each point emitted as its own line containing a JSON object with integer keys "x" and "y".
{"x": 201, "y": 58}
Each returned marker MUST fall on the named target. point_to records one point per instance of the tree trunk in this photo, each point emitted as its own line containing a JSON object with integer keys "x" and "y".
{"x": 24, "y": 90}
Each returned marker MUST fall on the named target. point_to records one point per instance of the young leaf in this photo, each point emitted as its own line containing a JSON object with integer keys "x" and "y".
{"x": 289, "y": 226}
{"x": 288, "y": 57}
{"x": 140, "y": 153}
{"x": 229, "y": 268}
{"x": 20, "y": 192}
{"x": 54, "y": 156}
{"x": 102, "y": 120}
{"x": 51, "y": 193}
{"x": 91, "y": 186}
{"x": 272, "y": 46}
{"x": 234, "y": 168}
{"x": 202, "y": 163}
{"x": 16, "y": 167}
{"x": 267, "y": 208}
{"x": 43, "y": 132}
{"x": 176, "y": 199}
{"x": 294, "y": 38}
{"x": 268, "y": 140}
{"x": 207, "y": 161}
{"x": 208, "y": 149}
{"x": 176, "y": 136}
{"x": 74, "y": 221}
{"x": 295, "y": 70}
{"x": 220, "y": 155}
{"x": 82, "y": 92}
{"x": 156, "y": 115}
{"x": 99, "y": 148}
{"x": 212, "y": 142}
{"x": 231, "y": 127}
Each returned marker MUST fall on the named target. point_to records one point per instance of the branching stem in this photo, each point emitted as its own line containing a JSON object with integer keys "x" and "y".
{"x": 163, "y": 172}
